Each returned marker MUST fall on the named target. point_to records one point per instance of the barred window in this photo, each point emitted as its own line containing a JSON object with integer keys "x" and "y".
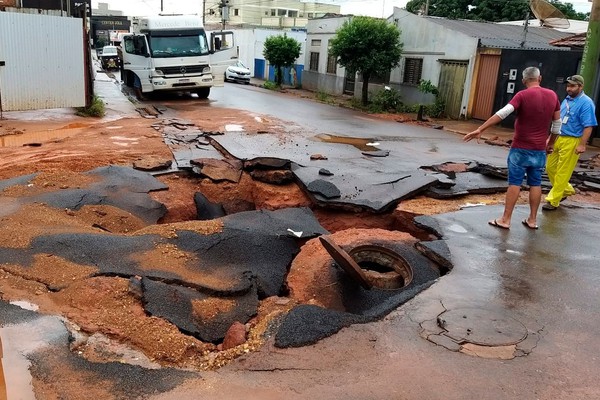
{"x": 413, "y": 67}
{"x": 314, "y": 61}
{"x": 331, "y": 64}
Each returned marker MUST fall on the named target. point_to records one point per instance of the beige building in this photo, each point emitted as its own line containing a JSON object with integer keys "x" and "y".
{"x": 268, "y": 13}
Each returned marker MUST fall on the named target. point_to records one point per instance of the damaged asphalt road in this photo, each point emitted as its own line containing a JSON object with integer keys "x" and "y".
{"x": 204, "y": 277}
{"x": 229, "y": 264}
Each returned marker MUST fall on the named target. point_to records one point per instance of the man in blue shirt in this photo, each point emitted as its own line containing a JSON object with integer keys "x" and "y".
{"x": 578, "y": 116}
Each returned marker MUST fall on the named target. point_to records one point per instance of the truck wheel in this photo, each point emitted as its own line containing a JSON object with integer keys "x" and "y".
{"x": 203, "y": 92}
{"x": 127, "y": 78}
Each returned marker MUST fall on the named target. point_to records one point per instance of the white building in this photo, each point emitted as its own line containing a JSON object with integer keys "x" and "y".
{"x": 268, "y": 13}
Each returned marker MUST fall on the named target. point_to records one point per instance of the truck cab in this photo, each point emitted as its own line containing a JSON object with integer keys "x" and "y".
{"x": 167, "y": 53}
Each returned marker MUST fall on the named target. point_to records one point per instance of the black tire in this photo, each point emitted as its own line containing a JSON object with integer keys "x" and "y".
{"x": 203, "y": 93}
{"x": 128, "y": 78}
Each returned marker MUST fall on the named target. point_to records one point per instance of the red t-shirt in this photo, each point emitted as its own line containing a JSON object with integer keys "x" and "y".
{"x": 535, "y": 107}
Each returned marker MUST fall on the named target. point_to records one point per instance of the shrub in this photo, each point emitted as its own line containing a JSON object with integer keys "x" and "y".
{"x": 324, "y": 97}
{"x": 270, "y": 85}
{"x": 387, "y": 100}
{"x": 96, "y": 109}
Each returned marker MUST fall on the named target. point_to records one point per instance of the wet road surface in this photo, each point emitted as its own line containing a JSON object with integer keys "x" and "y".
{"x": 546, "y": 280}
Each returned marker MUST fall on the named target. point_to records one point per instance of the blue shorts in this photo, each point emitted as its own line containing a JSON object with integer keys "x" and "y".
{"x": 530, "y": 162}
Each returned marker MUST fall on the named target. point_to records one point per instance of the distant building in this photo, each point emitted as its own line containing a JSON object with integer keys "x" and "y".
{"x": 105, "y": 11}
{"x": 266, "y": 13}
{"x": 106, "y": 24}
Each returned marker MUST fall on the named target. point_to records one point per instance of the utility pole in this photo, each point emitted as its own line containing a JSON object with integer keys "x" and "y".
{"x": 224, "y": 12}
{"x": 591, "y": 51}
{"x": 203, "y": 12}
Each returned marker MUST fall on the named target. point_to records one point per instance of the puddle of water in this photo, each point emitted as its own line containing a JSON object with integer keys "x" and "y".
{"x": 25, "y": 305}
{"x": 37, "y": 137}
{"x": 234, "y": 128}
{"x": 457, "y": 228}
{"x": 3, "y": 394}
{"x": 17, "y": 342}
{"x": 124, "y": 138}
{"x": 361, "y": 144}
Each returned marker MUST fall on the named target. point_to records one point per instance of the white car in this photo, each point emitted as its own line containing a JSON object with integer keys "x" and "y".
{"x": 237, "y": 72}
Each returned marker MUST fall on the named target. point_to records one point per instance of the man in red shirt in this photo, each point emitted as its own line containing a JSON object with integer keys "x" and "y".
{"x": 537, "y": 109}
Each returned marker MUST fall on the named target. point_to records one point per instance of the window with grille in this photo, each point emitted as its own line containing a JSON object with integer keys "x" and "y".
{"x": 315, "y": 42}
{"x": 413, "y": 67}
{"x": 331, "y": 64}
{"x": 314, "y": 61}
{"x": 236, "y": 12}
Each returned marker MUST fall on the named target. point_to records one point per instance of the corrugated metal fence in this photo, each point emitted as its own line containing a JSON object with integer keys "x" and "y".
{"x": 41, "y": 62}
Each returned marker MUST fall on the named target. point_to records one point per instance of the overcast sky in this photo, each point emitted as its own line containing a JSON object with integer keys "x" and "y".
{"x": 374, "y": 8}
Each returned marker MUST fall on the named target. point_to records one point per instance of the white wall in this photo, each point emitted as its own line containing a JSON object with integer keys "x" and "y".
{"x": 251, "y": 44}
{"x": 44, "y": 62}
{"x": 323, "y": 30}
{"x": 425, "y": 39}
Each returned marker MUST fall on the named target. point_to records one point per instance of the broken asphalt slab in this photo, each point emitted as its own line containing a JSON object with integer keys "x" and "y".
{"x": 121, "y": 187}
{"x": 244, "y": 257}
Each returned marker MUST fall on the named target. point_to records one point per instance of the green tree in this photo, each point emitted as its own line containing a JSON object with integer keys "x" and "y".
{"x": 487, "y": 10}
{"x": 367, "y": 45}
{"x": 496, "y": 11}
{"x": 281, "y": 51}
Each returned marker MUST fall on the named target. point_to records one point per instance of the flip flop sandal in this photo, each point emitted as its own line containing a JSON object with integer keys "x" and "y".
{"x": 497, "y": 225}
{"x": 524, "y": 222}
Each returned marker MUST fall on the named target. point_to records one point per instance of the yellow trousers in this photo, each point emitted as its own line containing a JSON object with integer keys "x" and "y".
{"x": 559, "y": 166}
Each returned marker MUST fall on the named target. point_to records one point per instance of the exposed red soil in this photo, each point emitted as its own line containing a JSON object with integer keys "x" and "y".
{"x": 105, "y": 304}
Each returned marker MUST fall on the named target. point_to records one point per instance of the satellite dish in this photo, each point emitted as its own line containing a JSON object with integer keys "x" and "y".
{"x": 549, "y": 16}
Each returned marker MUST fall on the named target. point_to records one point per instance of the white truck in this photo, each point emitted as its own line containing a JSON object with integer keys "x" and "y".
{"x": 172, "y": 53}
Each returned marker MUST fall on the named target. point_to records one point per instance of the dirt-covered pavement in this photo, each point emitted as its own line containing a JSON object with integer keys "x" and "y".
{"x": 115, "y": 348}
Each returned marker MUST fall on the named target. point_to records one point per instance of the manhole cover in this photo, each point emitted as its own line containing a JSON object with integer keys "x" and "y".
{"x": 345, "y": 261}
{"x": 483, "y": 327}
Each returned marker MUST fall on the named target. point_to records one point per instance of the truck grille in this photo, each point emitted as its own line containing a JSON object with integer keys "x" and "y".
{"x": 183, "y": 70}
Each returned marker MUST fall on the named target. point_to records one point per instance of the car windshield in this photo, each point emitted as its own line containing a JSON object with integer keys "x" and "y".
{"x": 178, "y": 46}
{"x": 240, "y": 65}
{"x": 109, "y": 51}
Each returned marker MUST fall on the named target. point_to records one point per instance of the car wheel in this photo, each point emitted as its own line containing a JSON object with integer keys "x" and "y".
{"x": 203, "y": 93}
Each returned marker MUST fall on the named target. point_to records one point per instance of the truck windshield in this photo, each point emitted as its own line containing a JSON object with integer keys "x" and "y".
{"x": 178, "y": 45}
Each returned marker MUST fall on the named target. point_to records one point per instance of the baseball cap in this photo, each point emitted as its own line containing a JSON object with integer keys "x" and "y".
{"x": 575, "y": 79}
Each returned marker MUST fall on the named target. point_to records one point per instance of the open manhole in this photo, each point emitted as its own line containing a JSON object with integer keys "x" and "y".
{"x": 383, "y": 268}
{"x": 371, "y": 265}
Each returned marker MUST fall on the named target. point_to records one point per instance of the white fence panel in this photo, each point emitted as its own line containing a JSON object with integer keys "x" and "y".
{"x": 41, "y": 62}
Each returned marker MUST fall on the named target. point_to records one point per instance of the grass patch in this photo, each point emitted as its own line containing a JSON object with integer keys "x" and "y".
{"x": 96, "y": 109}
{"x": 271, "y": 85}
{"x": 324, "y": 97}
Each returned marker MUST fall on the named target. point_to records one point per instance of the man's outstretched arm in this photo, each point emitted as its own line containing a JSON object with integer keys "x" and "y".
{"x": 493, "y": 120}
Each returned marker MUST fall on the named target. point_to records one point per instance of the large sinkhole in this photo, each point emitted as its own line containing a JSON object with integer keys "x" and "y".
{"x": 218, "y": 280}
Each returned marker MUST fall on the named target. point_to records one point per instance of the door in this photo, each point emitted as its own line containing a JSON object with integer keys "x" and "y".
{"x": 487, "y": 80}
{"x": 225, "y": 54}
{"x": 452, "y": 85}
{"x": 136, "y": 58}
{"x": 42, "y": 62}
{"x": 349, "y": 81}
